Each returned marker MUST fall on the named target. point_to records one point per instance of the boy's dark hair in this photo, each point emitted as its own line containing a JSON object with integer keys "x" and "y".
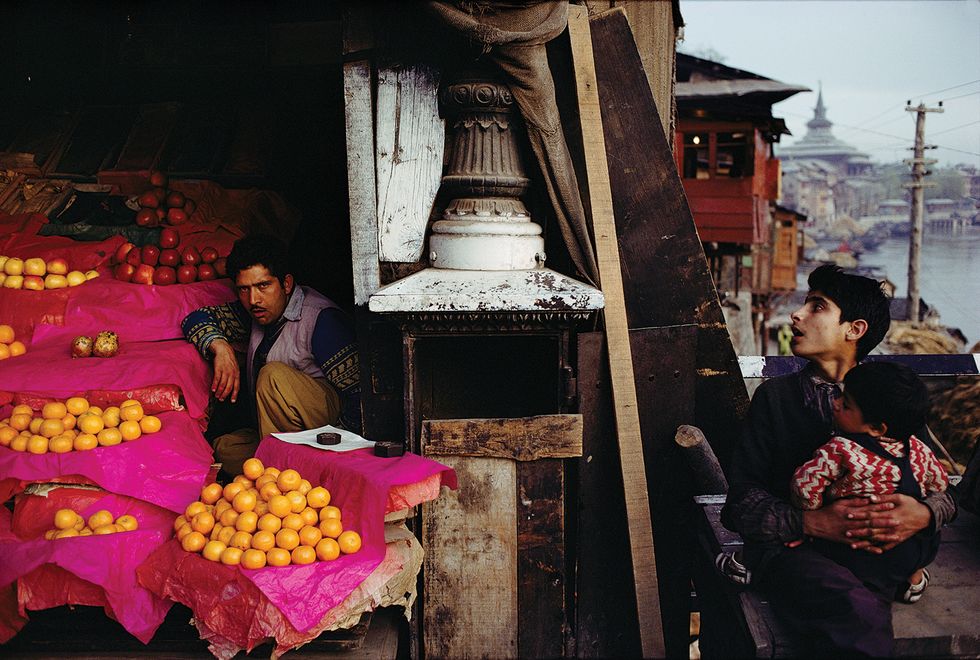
{"x": 258, "y": 250}
{"x": 890, "y": 393}
{"x": 858, "y": 298}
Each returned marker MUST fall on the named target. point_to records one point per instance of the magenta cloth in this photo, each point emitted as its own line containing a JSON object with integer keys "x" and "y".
{"x": 137, "y": 312}
{"x": 50, "y": 371}
{"x": 80, "y": 255}
{"x": 108, "y": 561}
{"x": 358, "y": 483}
{"x": 167, "y": 468}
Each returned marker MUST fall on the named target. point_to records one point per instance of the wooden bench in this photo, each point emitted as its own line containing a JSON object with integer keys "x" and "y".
{"x": 739, "y": 622}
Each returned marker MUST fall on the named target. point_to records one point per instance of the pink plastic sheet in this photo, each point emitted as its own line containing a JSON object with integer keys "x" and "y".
{"x": 108, "y": 561}
{"x": 22, "y": 241}
{"x": 50, "y": 371}
{"x": 135, "y": 311}
{"x": 167, "y": 468}
{"x": 359, "y": 483}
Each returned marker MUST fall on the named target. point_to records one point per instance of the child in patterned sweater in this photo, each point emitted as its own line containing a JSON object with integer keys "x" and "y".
{"x": 874, "y": 452}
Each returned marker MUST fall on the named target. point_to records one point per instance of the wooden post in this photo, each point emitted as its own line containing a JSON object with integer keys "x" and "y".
{"x": 617, "y": 334}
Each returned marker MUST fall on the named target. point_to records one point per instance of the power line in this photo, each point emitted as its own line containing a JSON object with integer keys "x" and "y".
{"x": 953, "y": 98}
{"x": 955, "y": 128}
{"x": 940, "y": 91}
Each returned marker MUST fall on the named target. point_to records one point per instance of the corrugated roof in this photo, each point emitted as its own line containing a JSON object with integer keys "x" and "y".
{"x": 771, "y": 89}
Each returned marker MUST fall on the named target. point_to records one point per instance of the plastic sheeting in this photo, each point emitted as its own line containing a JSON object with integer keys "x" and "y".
{"x": 167, "y": 468}
{"x": 109, "y": 561}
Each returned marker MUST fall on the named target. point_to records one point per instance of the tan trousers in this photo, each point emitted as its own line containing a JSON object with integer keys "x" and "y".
{"x": 286, "y": 400}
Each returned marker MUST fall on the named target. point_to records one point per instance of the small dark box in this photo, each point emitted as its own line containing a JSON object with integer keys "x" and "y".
{"x": 388, "y": 449}
{"x": 328, "y": 438}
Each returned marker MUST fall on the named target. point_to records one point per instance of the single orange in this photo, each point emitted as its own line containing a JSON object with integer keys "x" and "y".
{"x": 20, "y": 442}
{"x": 17, "y": 348}
{"x": 269, "y": 522}
{"x": 228, "y": 517}
{"x": 211, "y": 493}
{"x": 51, "y": 427}
{"x": 309, "y": 516}
{"x": 85, "y": 441}
{"x": 288, "y": 480}
{"x": 212, "y": 550}
{"x": 193, "y": 542}
{"x": 60, "y": 444}
{"x": 263, "y": 540}
{"x": 130, "y": 430}
{"x": 304, "y": 486}
{"x": 241, "y": 540}
{"x": 127, "y": 522}
{"x": 253, "y": 468}
{"x": 349, "y": 542}
{"x": 329, "y": 512}
{"x": 331, "y": 527}
{"x": 7, "y": 433}
{"x": 310, "y": 536}
{"x": 278, "y": 557}
{"x": 183, "y": 531}
{"x": 20, "y": 421}
{"x": 318, "y": 497}
{"x": 180, "y": 521}
{"x": 225, "y": 534}
{"x": 244, "y": 501}
{"x": 100, "y": 518}
{"x": 90, "y": 423}
{"x": 287, "y": 539}
{"x": 297, "y": 501}
{"x": 69, "y": 421}
{"x": 279, "y": 506}
{"x": 95, "y": 410}
{"x": 303, "y": 554}
{"x": 6, "y": 334}
{"x": 269, "y": 490}
{"x": 193, "y": 509}
{"x": 54, "y": 410}
{"x": 253, "y": 559}
{"x": 232, "y": 489}
{"x": 244, "y": 481}
{"x": 130, "y": 402}
{"x": 77, "y": 405}
{"x": 264, "y": 479}
{"x": 65, "y": 518}
{"x": 109, "y": 437}
{"x": 110, "y": 417}
{"x": 216, "y": 531}
{"x": 273, "y": 471}
{"x": 293, "y": 521}
{"x": 150, "y": 424}
{"x": 231, "y": 556}
{"x": 261, "y": 507}
{"x": 35, "y": 426}
{"x": 203, "y": 523}
{"x": 37, "y": 444}
{"x": 327, "y": 550}
{"x": 247, "y": 521}
{"x": 131, "y": 412}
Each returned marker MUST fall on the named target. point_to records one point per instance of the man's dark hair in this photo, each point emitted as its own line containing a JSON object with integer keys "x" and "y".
{"x": 890, "y": 393}
{"x": 858, "y": 298}
{"x": 259, "y": 250}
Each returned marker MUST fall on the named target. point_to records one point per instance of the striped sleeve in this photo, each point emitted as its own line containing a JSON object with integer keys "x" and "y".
{"x": 229, "y": 322}
{"x": 811, "y": 480}
{"x": 934, "y": 478}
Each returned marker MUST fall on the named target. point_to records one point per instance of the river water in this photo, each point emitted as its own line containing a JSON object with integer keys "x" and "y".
{"x": 949, "y": 274}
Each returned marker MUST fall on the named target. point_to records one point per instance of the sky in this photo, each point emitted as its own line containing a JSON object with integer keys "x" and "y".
{"x": 871, "y": 56}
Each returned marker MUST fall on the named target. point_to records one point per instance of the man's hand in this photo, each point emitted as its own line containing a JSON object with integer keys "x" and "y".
{"x": 227, "y": 375}
{"x": 892, "y": 519}
{"x": 838, "y": 520}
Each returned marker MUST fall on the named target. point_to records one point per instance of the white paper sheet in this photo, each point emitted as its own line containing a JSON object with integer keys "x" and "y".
{"x": 348, "y": 441}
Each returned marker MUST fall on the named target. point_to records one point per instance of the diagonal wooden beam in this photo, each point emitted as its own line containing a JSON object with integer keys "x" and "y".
{"x": 617, "y": 338}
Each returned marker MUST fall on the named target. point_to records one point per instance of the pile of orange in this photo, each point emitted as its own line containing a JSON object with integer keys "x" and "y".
{"x": 9, "y": 346}
{"x": 68, "y": 523}
{"x": 265, "y": 517}
{"x": 74, "y": 425}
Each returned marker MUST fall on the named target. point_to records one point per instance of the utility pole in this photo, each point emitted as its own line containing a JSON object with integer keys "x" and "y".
{"x": 918, "y": 163}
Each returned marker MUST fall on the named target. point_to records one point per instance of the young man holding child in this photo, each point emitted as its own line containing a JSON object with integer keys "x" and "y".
{"x": 843, "y": 318}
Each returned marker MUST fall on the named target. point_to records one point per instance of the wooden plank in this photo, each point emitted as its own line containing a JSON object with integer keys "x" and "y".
{"x": 516, "y": 438}
{"x": 666, "y": 278}
{"x": 541, "y": 570}
{"x": 361, "y": 188}
{"x": 410, "y": 140}
{"x": 617, "y": 333}
{"x": 470, "y": 574}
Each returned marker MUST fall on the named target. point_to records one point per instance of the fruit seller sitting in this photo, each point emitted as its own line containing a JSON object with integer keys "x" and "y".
{"x": 301, "y": 362}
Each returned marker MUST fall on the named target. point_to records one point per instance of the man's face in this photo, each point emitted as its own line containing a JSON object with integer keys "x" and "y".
{"x": 262, "y": 294}
{"x": 848, "y": 417}
{"x": 817, "y": 329}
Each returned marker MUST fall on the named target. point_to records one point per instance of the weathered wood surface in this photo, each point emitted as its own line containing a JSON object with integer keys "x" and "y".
{"x": 666, "y": 277}
{"x": 409, "y": 150}
{"x": 470, "y": 573}
{"x": 362, "y": 193}
{"x": 708, "y": 476}
{"x": 634, "y": 476}
{"x": 519, "y": 439}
